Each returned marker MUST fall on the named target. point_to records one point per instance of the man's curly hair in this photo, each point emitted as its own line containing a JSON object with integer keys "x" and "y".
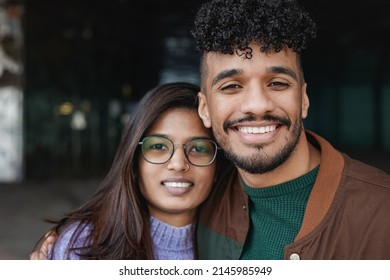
{"x": 227, "y": 25}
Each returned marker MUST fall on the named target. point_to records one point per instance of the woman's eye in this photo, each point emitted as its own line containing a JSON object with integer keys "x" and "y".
{"x": 158, "y": 147}
{"x": 199, "y": 149}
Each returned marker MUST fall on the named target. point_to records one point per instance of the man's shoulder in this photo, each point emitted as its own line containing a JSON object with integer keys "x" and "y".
{"x": 366, "y": 174}
{"x": 352, "y": 169}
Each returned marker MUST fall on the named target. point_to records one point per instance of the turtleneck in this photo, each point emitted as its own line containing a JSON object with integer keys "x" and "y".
{"x": 170, "y": 242}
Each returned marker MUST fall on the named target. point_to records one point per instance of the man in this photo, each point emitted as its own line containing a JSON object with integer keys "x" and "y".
{"x": 296, "y": 197}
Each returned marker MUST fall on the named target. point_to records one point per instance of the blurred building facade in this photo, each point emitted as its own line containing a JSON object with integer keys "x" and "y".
{"x": 87, "y": 63}
{"x": 11, "y": 92}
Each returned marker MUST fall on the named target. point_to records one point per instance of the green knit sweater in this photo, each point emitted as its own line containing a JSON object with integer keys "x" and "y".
{"x": 276, "y": 215}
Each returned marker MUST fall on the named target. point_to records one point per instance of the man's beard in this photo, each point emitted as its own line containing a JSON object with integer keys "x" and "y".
{"x": 259, "y": 162}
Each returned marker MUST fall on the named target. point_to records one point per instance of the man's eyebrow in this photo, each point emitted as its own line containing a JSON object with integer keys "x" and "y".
{"x": 282, "y": 70}
{"x": 224, "y": 74}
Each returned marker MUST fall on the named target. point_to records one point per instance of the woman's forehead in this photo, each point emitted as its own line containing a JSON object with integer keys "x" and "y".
{"x": 180, "y": 123}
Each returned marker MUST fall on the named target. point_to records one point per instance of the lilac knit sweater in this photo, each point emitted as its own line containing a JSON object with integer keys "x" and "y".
{"x": 169, "y": 242}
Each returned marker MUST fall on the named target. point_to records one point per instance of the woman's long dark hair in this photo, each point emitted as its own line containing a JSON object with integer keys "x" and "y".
{"x": 117, "y": 212}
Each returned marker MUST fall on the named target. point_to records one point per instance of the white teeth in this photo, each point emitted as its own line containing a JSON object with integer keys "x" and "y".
{"x": 177, "y": 184}
{"x": 261, "y": 130}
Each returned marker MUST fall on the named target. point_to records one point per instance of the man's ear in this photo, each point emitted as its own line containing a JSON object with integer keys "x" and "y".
{"x": 305, "y": 102}
{"x": 203, "y": 110}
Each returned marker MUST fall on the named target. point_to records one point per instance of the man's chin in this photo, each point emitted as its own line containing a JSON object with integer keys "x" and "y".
{"x": 258, "y": 162}
{"x": 257, "y": 168}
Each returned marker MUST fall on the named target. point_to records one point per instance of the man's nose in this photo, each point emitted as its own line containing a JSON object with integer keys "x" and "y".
{"x": 257, "y": 100}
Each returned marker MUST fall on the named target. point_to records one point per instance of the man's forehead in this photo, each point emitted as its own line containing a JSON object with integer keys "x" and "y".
{"x": 250, "y": 56}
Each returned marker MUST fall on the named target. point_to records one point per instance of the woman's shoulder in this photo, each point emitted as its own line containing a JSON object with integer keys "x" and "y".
{"x": 72, "y": 236}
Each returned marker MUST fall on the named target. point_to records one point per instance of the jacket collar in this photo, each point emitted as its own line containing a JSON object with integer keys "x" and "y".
{"x": 325, "y": 186}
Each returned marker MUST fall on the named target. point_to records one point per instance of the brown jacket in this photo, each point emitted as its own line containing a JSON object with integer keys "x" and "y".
{"x": 347, "y": 215}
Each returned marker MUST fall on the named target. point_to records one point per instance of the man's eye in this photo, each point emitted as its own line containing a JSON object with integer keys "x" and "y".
{"x": 230, "y": 87}
{"x": 279, "y": 85}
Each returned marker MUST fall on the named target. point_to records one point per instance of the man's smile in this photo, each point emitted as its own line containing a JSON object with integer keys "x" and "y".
{"x": 256, "y": 129}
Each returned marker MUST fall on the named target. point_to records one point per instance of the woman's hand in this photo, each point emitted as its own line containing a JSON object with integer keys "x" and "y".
{"x": 42, "y": 253}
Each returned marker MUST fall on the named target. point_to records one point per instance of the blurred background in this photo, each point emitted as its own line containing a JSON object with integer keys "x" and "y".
{"x": 72, "y": 71}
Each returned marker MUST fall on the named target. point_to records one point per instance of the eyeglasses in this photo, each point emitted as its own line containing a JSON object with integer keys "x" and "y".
{"x": 159, "y": 149}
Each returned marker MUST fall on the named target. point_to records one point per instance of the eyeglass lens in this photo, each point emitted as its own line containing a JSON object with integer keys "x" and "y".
{"x": 157, "y": 149}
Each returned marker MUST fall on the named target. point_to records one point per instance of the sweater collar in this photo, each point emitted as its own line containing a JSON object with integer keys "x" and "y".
{"x": 165, "y": 236}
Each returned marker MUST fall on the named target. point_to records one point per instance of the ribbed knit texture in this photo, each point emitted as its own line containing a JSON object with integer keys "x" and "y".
{"x": 276, "y": 215}
{"x": 172, "y": 243}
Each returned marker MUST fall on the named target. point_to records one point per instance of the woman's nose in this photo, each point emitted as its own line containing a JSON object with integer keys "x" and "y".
{"x": 178, "y": 160}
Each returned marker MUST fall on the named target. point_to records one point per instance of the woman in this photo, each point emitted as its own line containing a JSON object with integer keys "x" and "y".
{"x": 163, "y": 170}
